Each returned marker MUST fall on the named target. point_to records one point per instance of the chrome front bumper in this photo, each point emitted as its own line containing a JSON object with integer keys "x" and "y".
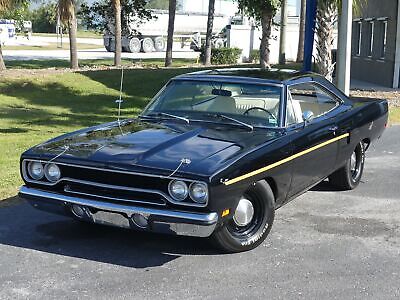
{"x": 120, "y": 215}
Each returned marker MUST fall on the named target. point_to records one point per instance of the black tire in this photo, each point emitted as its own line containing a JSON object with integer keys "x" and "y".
{"x": 159, "y": 44}
{"x": 231, "y": 237}
{"x": 349, "y": 176}
{"x": 134, "y": 45}
{"x": 147, "y": 45}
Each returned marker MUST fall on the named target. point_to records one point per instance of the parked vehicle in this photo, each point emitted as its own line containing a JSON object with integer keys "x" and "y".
{"x": 150, "y": 36}
{"x": 214, "y": 154}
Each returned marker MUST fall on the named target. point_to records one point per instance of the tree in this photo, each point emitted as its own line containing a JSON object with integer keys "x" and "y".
{"x": 100, "y": 15}
{"x": 263, "y": 11}
{"x": 210, "y": 21}
{"x": 283, "y": 29}
{"x": 5, "y": 6}
{"x": 118, "y": 32}
{"x": 170, "y": 38}
{"x": 66, "y": 11}
{"x": 302, "y": 29}
{"x": 326, "y": 19}
{"x": 44, "y": 18}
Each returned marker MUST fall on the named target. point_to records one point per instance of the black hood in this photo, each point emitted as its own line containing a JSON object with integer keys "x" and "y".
{"x": 134, "y": 143}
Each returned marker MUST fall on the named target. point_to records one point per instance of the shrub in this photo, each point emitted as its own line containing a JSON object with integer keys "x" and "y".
{"x": 223, "y": 56}
{"x": 254, "y": 56}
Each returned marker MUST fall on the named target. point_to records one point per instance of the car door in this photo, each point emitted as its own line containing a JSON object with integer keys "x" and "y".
{"x": 314, "y": 141}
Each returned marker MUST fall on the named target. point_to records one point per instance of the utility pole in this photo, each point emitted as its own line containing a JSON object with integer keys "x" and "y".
{"x": 311, "y": 12}
{"x": 282, "y": 39}
{"x": 344, "y": 47}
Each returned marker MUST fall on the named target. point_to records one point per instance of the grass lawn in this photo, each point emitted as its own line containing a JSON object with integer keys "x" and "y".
{"x": 60, "y": 63}
{"x": 52, "y": 46}
{"x": 81, "y": 34}
{"x": 394, "y": 115}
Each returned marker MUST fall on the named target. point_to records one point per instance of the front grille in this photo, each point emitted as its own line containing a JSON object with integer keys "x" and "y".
{"x": 114, "y": 178}
{"x": 114, "y": 194}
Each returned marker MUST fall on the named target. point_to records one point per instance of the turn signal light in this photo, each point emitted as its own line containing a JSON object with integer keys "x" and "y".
{"x": 225, "y": 212}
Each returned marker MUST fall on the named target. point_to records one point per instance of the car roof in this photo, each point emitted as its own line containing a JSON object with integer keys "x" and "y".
{"x": 250, "y": 75}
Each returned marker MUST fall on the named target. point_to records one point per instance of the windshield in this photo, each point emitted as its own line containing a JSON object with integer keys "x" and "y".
{"x": 255, "y": 104}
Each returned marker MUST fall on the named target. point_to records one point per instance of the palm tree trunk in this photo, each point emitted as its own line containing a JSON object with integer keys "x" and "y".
{"x": 210, "y": 21}
{"x": 2, "y": 64}
{"x": 325, "y": 23}
{"x": 118, "y": 34}
{"x": 170, "y": 38}
{"x": 266, "y": 24}
{"x": 302, "y": 29}
{"x": 72, "y": 28}
{"x": 282, "y": 39}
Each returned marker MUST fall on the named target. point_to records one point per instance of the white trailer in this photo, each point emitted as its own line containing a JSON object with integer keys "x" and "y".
{"x": 7, "y": 30}
{"x": 151, "y": 36}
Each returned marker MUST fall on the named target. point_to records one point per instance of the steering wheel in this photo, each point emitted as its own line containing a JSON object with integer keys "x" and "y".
{"x": 259, "y": 108}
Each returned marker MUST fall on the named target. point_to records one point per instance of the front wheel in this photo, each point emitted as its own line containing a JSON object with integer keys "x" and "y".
{"x": 251, "y": 222}
{"x": 349, "y": 176}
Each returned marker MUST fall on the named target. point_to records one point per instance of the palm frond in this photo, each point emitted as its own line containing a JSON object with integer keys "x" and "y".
{"x": 66, "y": 10}
{"x": 5, "y": 4}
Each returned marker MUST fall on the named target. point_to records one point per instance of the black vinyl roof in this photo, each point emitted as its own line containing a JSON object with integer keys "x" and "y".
{"x": 269, "y": 75}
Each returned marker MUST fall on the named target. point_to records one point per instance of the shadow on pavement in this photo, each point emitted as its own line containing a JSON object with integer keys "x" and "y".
{"x": 25, "y": 227}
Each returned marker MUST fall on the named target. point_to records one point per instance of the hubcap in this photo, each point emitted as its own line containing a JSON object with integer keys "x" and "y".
{"x": 244, "y": 212}
{"x": 353, "y": 162}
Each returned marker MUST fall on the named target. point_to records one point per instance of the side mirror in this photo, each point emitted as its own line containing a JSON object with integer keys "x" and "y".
{"x": 307, "y": 116}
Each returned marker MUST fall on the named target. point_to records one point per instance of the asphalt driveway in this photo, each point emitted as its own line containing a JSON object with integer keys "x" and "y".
{"x": 324, "y": 245}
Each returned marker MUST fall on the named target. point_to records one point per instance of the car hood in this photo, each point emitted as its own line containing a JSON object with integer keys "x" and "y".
{"x": 195, "y": 148}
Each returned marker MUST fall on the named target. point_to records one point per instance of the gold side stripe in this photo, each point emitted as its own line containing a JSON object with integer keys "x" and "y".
{"x": 285, "y": 160}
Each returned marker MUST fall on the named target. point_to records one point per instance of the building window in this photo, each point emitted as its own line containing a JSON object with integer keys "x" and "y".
{"x": 357, "y": 36}
{"x": 383, "y": 38}
{"x": 370, "y": 44}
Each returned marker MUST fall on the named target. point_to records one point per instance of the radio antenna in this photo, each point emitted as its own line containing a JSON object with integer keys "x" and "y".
{"x": 119, "y": 101}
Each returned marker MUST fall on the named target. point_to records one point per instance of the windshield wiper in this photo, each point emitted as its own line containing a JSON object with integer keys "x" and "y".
{"x": 221, "y": 116}
{"x": 162, "y": 114}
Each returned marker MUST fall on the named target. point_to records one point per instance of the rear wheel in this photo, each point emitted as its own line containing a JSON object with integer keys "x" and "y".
{"x": 251, "y": 222}
{"x": 348, "y": 177}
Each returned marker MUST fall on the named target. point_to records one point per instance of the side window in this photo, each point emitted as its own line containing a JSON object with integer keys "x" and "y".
{"x": 309, "y": 97}
{"x": 291, "y": 117}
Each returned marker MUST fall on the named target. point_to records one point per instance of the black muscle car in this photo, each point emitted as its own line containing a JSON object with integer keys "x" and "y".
{"x": 214, "y": 154}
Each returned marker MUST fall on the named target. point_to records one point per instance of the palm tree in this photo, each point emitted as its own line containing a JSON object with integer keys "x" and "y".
{"x": 66, "y": 11}
{"x": 118, "y": 29}
{"x": 302, "y": 29}
{"x": 326, "y": 19}
{"x": 210, "y": 21}
{"x": 170, "y": 38}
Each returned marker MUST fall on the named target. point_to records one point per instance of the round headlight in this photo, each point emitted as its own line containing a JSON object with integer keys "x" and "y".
{"x": 178, "y": 190}
{"x": 52, "y": 172}
{"x": 199, "y": 192}
{"x": 35, "y": 170}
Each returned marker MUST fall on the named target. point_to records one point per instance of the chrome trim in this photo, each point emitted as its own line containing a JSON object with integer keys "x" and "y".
{"x": 108, "y": 170}
{"x": 115, "y": 187}
{"x": 179, "y": 222}
{"x": 169, "y": 199}
{"x": 68, "y": 189}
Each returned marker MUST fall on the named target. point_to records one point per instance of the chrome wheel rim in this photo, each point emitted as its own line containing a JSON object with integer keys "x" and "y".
{"x": 353, "y": 163}
{"x": 244, "y": 212}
